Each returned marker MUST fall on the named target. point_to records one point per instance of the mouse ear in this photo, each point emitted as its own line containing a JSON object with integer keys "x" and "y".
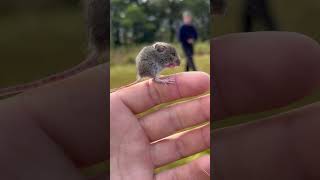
{"x": 159, "y": 47}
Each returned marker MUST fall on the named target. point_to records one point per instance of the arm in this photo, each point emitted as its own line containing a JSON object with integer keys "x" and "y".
{"x": 181, "y": 34}
{"x": 195, "y": 33}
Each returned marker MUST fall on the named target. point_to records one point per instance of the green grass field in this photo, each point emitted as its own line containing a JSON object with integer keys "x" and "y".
{"x": 123, "y": 71}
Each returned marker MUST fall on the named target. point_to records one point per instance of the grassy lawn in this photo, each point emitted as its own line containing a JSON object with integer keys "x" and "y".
{"x": 123, "y": 70}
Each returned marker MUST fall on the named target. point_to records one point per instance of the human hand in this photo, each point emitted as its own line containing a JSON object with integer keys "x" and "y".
{"x": 257, "y": 72}
{"x": 190, "y": 41}
{"x": 137, "y": 146}
{"x": 54, "y": 131}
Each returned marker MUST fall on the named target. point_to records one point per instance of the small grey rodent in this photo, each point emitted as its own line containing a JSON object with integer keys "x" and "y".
{"x": 151, "y": 60}
{"x": 96, "y": 12}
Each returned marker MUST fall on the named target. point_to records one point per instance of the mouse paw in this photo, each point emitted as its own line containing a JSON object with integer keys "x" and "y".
{"x": 165, "y": 80}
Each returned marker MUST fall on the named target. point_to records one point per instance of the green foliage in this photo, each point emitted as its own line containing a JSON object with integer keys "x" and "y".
{"x": 124, "y": 55}
{"x": 9, "y": 7}
{"x": 144, "y": 21}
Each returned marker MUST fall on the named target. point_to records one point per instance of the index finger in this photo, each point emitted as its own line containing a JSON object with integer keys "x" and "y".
{"x": 142, "y": 96}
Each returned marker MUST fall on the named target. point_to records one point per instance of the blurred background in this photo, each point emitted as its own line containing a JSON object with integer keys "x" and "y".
{"x": 42, "y": 37}
{"x": 286, "y": 15}
{"x": 137, "y": 23}
{"x": 39, "y": 38}
{"x": 260, "y": 15}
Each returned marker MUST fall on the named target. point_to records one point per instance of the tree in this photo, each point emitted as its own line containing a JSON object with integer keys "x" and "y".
{"x": 140, "y": 21}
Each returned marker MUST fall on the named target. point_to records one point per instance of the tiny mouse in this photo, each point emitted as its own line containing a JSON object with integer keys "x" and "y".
{"x": 151, "y": 60}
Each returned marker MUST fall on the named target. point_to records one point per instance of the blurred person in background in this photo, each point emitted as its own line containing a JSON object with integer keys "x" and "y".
{"x": 187, "y": 37}
{"x": 257, "y": 10}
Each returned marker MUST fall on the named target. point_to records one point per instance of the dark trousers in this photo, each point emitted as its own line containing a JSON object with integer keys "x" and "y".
{"x": 188, "y": 51}
{"x": 257, "y": 10}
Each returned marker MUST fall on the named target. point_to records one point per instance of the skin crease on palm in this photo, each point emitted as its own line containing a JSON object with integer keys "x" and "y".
{"x": 134, "y": 152}
{"x": 256, "y": 72}
{"x": 52, "y": 131}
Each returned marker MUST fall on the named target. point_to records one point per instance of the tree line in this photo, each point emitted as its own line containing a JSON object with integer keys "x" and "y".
{"x": 142, "y": 21}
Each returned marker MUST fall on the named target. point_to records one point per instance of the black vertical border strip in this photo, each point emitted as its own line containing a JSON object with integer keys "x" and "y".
{"x": 108, "y": 91}
{"x": 212, "y": 89}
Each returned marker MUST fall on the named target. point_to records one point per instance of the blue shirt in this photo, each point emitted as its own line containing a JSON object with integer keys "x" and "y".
{"x": 186, "y": 32}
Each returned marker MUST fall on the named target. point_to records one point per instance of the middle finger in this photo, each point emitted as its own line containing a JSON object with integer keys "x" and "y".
{"x": 170, "y": 120}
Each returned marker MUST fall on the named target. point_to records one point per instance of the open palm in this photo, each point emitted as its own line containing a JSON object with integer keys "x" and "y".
{"x": 139, "y": 145}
